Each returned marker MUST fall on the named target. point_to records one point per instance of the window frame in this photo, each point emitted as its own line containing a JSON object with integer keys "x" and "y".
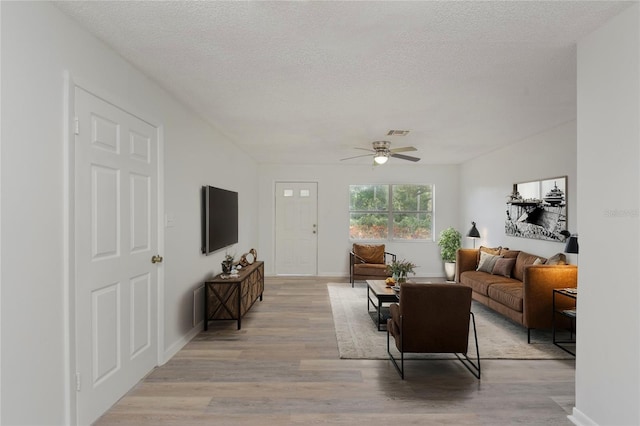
{"x": 390, "y": 213}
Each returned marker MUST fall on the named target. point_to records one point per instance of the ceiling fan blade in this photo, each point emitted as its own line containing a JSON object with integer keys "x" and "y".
{"x": 364, "y": 149}
{"x": 405, "y": 157}
{"x": 357, "y": 156}
{"x": 403, "y": 149}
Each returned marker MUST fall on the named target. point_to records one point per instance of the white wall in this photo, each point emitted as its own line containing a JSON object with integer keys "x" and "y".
{"x": 333, "y": 210}
{"x": 608, "y": 362}
{"x": 486, "y": 182}
{"x": 38, "y": 45}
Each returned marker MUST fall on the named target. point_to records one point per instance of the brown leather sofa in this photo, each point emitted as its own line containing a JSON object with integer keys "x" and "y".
{"x": 523, "y": 293}
{"x": 369, "y": 262}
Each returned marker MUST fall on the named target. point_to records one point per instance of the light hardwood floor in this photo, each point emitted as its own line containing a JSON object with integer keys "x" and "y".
{"x": 283, "y": 368}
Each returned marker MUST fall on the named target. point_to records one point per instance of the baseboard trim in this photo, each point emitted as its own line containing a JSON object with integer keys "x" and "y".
{"x": 182, "y": 342}
{"x": 580, "y": 419}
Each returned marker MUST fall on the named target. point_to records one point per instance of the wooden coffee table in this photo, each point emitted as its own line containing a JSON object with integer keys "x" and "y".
{"x": 377, "y": 294}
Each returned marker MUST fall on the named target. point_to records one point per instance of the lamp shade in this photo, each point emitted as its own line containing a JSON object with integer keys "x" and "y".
{"x": 380, "y": 158}
{"x": 473, "y": 232}
{"x": 572, "y": 244}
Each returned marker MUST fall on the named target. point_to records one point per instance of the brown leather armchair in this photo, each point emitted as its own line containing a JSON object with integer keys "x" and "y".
{"x": 369, "y": 262}
{"x": 432, "y": 318}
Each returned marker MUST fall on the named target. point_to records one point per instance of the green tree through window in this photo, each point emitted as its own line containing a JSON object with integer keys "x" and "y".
{"x": 391, "y": 212}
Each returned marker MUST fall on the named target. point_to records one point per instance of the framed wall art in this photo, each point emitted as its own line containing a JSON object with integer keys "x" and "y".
{"x": 538, "y": 209}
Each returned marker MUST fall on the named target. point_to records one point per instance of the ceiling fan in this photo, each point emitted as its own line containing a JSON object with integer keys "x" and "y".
{"x": 381, "y": 152}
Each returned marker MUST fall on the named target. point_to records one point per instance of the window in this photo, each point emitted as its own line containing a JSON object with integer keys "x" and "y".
{"x": 391, "y": 212}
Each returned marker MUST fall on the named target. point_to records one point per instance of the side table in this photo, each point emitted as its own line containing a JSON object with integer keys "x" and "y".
{"x": 564, "y": 304}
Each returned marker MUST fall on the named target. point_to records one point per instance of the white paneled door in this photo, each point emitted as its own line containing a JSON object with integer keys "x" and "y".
{"x": 116, "y": 229}
{"x": 296, "y": 228}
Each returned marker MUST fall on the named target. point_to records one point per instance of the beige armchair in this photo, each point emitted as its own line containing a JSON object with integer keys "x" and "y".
{"x": 369, "y": 262}
{"x": 432, "y": 318}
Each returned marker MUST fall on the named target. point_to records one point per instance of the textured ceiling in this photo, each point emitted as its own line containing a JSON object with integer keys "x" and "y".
{"x": 307, "y": 82}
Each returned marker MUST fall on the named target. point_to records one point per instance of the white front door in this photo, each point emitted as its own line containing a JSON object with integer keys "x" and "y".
{"x": 296, "y": 228}
{"x": 116, "y": 228}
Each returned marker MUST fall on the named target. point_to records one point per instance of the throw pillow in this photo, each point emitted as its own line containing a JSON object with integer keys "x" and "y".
{"x": 557, "y": 259}
{"x": 538, "y": 261}
{"x": 489, "y": 250}
{"x": 487, "y": 262}
{"x": 504, "y": 266}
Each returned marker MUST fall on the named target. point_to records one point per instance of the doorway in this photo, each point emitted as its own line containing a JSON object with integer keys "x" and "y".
{"x": 296, "y": 230}
{"x": 117, "y": 266}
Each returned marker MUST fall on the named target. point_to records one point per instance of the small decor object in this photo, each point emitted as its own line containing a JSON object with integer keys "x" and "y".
{"x": 227, "y": 264}
{"x": 248, "y": 258}
{"x": 450, "y": 241}
{"x": 400, "y": 269}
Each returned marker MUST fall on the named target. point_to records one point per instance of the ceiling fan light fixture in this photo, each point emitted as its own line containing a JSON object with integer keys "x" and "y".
{"x": 381, "y": 158}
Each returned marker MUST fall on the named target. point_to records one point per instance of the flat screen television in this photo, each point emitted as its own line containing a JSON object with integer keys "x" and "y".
{"x": 219, "y": 218}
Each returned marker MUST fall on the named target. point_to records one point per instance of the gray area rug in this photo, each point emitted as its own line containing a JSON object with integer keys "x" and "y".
{"x": 498, "y": 337}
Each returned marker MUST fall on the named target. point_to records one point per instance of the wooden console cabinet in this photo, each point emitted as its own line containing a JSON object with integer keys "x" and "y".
{"x": 231, "y": 298}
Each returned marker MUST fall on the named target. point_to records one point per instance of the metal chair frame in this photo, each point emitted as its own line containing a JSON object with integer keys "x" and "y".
{"x": 474, "y": 368}
{"x": 354, "y": 257}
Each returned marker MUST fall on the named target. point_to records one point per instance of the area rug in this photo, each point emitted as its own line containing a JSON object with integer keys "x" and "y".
{"x": 498, "y": 337}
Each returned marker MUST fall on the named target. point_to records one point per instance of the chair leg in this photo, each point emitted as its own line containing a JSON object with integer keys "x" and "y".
{"x": 474, "y": 368}
{"x": 399, "y": 368}
{"x": 351, "y": 269}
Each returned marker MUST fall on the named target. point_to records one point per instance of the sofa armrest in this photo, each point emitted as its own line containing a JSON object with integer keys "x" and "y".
{"x": 466, "y": 260}
{"x": 539, "y": 282}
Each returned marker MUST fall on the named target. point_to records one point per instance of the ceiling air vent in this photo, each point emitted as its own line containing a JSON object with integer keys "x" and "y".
{"x": 397, "y": 132}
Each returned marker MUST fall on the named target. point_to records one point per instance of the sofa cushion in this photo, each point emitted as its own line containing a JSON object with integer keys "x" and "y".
{"x": 487, "y": 262}
{"x": 481, "y": 281}
{"x": 524, "y": 259}
{"x": 504, "y": 266}
{"x": 369, "y": 253}
{"x": 509, "y": 253}
{"x": 508, "y": 293}
{"x": 557, "y": 259}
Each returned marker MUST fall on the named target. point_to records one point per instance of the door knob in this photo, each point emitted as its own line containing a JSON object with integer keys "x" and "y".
{"x": 156, "y": 259}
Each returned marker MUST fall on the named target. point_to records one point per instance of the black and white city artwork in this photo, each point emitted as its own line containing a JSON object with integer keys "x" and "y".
{"x": 538, "y": 209}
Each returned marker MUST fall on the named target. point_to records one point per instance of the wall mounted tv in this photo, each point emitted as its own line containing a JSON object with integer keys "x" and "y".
{"x": 219, "y": 218}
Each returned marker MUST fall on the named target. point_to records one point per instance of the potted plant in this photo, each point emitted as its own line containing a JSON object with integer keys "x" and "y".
{"x": 450, "y": 241}
{"x": 227, "y": 263}
{"x": 400, "y": 269}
